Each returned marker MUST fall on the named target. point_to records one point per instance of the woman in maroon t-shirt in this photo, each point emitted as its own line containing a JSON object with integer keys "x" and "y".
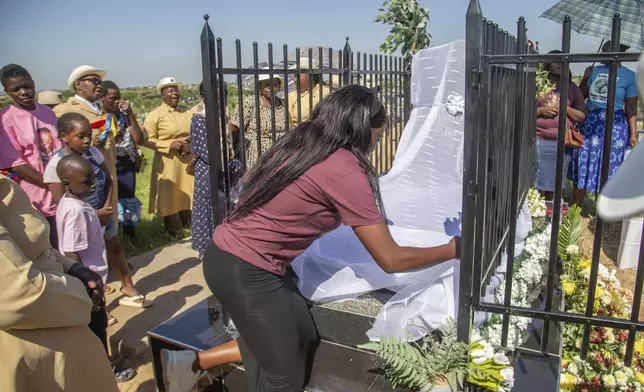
{"x": 308, "y": 183}
{"x": 548, "y": 129}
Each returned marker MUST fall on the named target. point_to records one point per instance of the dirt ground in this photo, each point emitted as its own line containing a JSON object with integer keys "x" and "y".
{"x": 171, "y": 276}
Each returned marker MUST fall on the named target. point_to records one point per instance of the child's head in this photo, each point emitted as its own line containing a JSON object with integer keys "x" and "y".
{"x": 76, "y": 175}
{"x": 75, "y": 130}
{"x": 18, "y": 84}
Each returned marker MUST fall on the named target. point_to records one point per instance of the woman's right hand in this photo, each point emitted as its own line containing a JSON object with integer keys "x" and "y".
{"x": 177, "y": 145}
{"x": 104, "y": 215}
{"x": 547, "y": 112}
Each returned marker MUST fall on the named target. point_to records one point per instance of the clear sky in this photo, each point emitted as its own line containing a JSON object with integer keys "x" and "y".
{"x": 139, "y": 41}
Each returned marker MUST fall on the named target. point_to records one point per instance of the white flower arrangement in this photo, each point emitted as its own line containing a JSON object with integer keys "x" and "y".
{"x": 530, "y": 270}
{"x": 536, "y": 204}
{"x": 488, "y": 368}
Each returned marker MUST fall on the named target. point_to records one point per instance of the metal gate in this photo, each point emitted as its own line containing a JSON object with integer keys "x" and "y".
{"x": 500, "y": 121}
{"x": 387, "y": 75}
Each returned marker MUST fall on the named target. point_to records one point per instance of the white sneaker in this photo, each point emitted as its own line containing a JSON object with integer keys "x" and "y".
{"x": 178, "y": 375}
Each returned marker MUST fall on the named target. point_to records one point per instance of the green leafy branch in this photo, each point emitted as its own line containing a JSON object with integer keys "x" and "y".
{"x": 408, "y": 30}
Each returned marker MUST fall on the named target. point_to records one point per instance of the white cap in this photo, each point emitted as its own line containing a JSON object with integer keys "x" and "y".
{"x": 623, "y": 195}
{"x": 83, "y": 71}
{"x": 167, "y": 82}
{"x": 304, "y": 64}
{"x": 49, "y": 97}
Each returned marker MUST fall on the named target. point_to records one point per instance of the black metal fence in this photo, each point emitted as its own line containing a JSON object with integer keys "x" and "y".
{"x": 500, "y": 119}
{"x": 332, "y": 68}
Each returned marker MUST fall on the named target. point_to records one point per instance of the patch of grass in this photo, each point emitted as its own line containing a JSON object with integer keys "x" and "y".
{"x": 150, "y": 233}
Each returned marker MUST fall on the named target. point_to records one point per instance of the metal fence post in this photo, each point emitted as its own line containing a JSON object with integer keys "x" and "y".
{"x": 211, "y": 102}
{"x": 473, "y": 28}
{"x": 346, "y": 64}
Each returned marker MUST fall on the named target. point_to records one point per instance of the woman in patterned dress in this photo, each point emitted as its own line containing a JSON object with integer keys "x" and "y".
{"x": 202, "y": 215}
{"x": 262, "y": 132}
{"x": 587, "y": 161}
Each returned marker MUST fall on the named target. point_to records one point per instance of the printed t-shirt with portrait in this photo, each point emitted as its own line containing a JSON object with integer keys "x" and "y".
{"x": 95, "y": 158}
{"x": 29, "y": 137}
{"x": 333, "y": 192}
{"x": 626, "y": 87}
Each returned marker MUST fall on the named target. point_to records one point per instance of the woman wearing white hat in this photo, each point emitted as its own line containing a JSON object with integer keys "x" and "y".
{"x": 171, "y": 187}
{"x": 50, "y": 98}
{"x": 261, "y": 133}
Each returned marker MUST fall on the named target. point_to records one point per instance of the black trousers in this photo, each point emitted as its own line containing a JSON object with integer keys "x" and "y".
{"x": 98, "y": 325}
{"x": 277, "y": 333}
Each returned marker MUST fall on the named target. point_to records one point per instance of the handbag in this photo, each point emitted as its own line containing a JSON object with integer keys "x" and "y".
{"x": 574, "y": 138}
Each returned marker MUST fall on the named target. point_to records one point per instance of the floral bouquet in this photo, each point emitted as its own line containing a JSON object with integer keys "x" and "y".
{"x": 603, "y": 369}
{"x": 537, "y": 208}
{"x": 489, "y": 369}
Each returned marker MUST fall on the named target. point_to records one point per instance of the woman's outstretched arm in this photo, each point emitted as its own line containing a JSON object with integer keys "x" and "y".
{"x": 393, "y": 258}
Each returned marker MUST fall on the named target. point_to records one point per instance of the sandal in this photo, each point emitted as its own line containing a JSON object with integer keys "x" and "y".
{"x": 111, "y": 320}
{"x": 137, "y": 301}
{"x": 109, "y": 290}
{"x": 123, "y": 372}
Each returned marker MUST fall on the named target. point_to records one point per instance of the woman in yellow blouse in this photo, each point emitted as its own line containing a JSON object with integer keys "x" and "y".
{"x": 171, "y": 187}
{"x": 302, "y": 97}
{"x": 263, "y": 131}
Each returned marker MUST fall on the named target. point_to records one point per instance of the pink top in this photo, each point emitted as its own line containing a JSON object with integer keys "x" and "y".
{"x": 332, "y": 192}
{"x": 548, "y": 128}
{"x": 30, "y": 137}
{"x": 80, "y": 231}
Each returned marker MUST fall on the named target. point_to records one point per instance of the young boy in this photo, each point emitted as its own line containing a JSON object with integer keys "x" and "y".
{"x": 80, "y": 235}
{"x": 28, "y": 139}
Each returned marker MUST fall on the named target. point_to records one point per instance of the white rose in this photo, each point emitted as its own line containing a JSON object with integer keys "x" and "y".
{"x": 609, "y": 381}
{"x": 621, "y": 378}
{"x": 572, "y": 369}
{"x": 501, "y": 359}
{"x": 475, "y": 336}
{"x": 508, "y": 376}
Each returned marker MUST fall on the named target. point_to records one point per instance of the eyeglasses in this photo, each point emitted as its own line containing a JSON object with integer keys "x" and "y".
{"x": 95, "y": 81}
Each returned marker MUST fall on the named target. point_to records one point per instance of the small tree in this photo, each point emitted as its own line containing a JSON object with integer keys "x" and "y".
{"x": 408, "y": 31}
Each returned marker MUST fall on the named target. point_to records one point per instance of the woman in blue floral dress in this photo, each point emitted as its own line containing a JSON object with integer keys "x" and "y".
{"x": 587, "y": 161}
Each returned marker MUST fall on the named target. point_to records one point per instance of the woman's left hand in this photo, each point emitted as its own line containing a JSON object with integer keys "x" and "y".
{"x": 634, "y": 140}
{"x": 124, "y": 106}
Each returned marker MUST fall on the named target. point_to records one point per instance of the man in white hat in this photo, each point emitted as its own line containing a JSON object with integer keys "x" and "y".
{"x": 303, "y": 96}
{"x": 623, "y": 195}
{"x": 86, "y": 81}
{"x": 50, "y": 98}
{"x": 171, "y": 187}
